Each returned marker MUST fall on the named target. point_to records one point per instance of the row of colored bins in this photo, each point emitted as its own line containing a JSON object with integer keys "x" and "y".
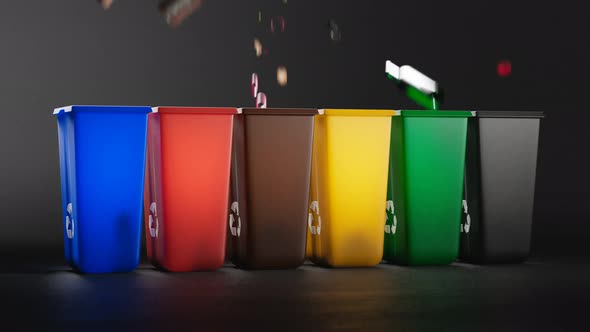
{"x": 272, "y": 202}
{"x": 425, "y": 151}
{"x": 486, "y": 160}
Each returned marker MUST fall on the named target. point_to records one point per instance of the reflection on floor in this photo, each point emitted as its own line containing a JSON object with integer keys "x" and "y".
{"x": 539, "y": 295}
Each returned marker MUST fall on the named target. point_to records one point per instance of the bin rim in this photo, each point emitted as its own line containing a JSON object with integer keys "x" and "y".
{"x": 195, "y": 110}
{"x": 437, "y": 113}
{"x": 278, "y": 111}
{"x": 511, "y": 114}
{"x": 358, "y": 112}
{"x": 120, "y": 108}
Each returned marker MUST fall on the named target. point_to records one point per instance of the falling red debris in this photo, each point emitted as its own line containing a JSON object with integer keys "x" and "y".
{"x": 504, "y": 68}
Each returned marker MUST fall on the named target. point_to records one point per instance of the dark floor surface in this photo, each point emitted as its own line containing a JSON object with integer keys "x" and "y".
{"x": 539, "y": 295}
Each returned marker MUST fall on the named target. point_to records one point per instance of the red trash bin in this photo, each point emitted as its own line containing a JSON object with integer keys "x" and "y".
{"x": 187, "y": 186}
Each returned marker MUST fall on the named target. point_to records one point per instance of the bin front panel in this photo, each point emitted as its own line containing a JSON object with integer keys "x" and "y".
{"x": 109, "y": 169}
{"x": 351, "y": 188}
{"x": 275, "y": 157}
{"x": 427, "y": 189}
{"x": 508, "y": 153}
{"x": 195, "y": 152}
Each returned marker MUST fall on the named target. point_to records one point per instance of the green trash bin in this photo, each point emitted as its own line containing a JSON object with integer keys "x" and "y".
{"x": 425, "y": 187}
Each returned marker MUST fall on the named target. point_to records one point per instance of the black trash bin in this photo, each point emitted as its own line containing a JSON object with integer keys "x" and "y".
{"x": 500, "y": 173}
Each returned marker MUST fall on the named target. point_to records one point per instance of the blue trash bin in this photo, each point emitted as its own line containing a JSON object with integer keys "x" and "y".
{"x": 102, "y": 154}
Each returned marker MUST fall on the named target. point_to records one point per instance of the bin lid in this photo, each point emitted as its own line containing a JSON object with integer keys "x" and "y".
{"x": 510, "y": 114}
{"x": 279, "y": 111}
{"x": 443, "y": 114}
{"x": 359, "y": 112}
{"x": 94, "y": 108}
{"x": 194, "y": 110}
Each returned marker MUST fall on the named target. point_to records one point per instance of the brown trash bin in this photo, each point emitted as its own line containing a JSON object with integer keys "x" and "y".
{"x": 269, "y": 187}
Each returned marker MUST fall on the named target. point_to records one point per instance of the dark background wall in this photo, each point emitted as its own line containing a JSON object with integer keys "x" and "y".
{"x": 62, "y": 52}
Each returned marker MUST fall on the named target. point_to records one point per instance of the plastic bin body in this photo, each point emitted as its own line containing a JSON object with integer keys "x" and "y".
{"x": 500, "y": 173}
{"x": 270, "y": 175}
{"x": 425, "y": 187}
{"x": 348, "y": 187}
{"x": 187, "y": 187}
{"x": 102, "y": 154}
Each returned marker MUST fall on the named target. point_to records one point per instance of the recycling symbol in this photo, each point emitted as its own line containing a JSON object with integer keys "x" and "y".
{"x": 315, "y": 209}
{"x": 153, "y": 221}
{"x": 390, "y": 229}
{"x": 235, "y": 210}
{"x": 70, "y": 221}
{"x": 467, "y": 225}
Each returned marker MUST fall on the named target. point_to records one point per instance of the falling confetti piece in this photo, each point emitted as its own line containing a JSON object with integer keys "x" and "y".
{"x": 258, "y": 47}
{"x": 106, "y": 4}
{"x": 259, "y": 16}
{"x": 282, "y": 75}
{"x": 254, "y": 85}
{"x": 277, "y": 24}
{"x": 177, "y": 11}
{"x": 335, "y": 33}
{"x": 261, "y": 100}
{"x": 504, "y": 68}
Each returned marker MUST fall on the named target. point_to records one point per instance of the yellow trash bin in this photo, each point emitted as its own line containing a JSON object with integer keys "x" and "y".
{"x": 350, "y": 160}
